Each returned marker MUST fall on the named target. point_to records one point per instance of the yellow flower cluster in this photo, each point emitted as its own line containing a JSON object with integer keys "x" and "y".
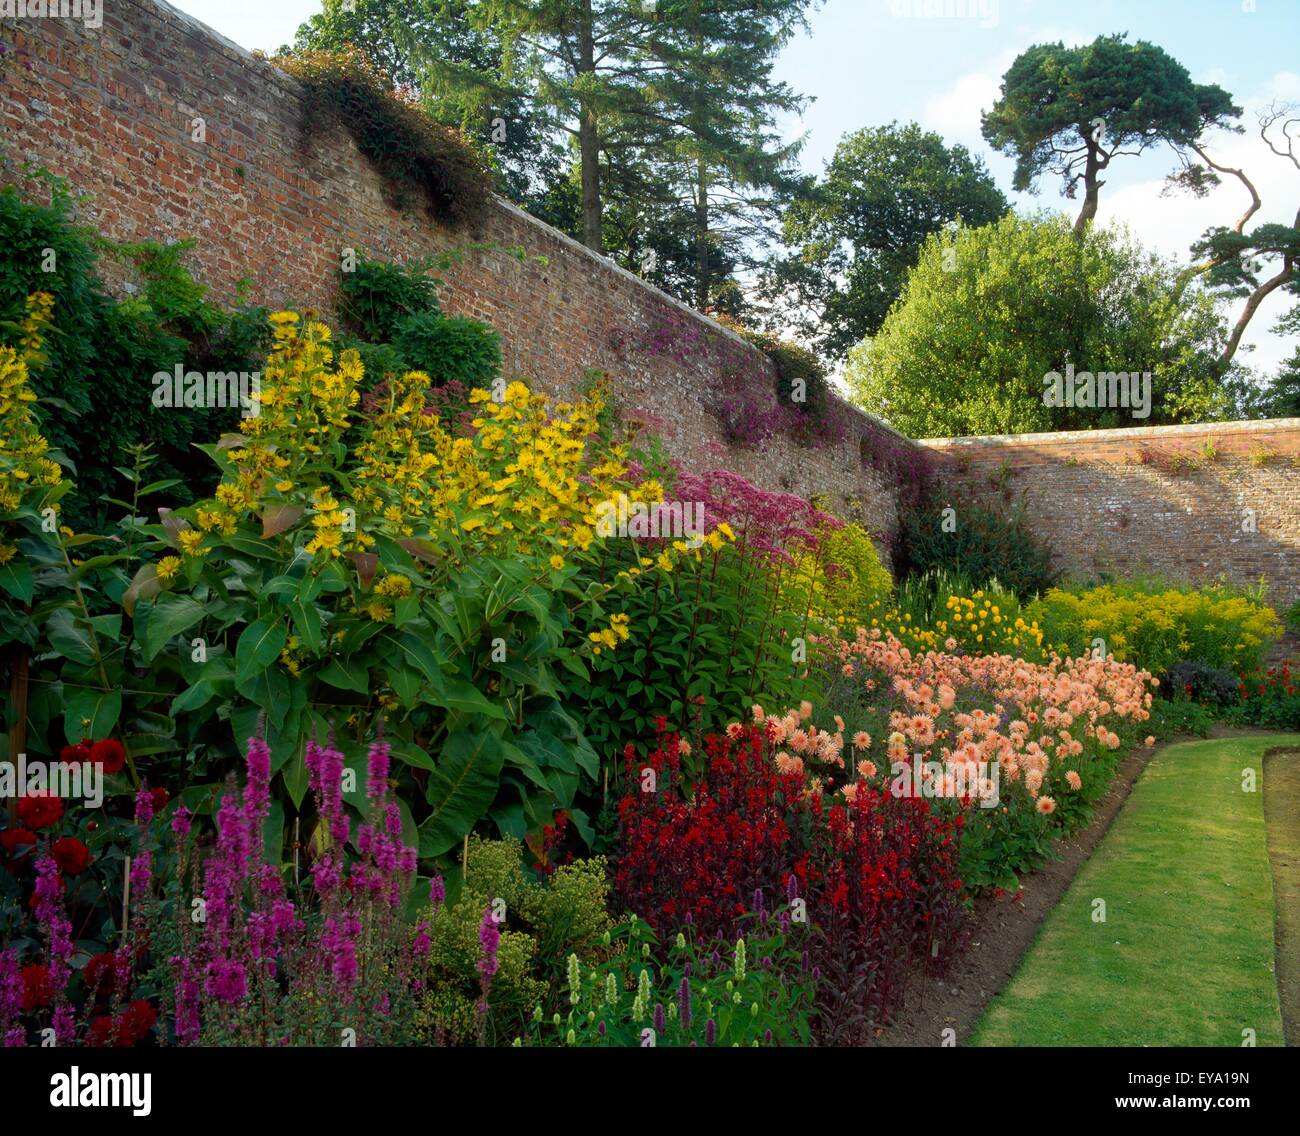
{"x": 28, "y": 476}
{"x": 532, "y": 481}
{"x": 617, "y": 632}
{"x": 40, "y": 314}
{"x": 303, "y": 408}
{"x": 527, "y": 469}
{"x": 977, "y": 624}
{"x": 1155, "y": 629}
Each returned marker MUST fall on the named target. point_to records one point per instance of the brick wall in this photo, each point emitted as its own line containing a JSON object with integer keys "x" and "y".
{"x": 1189, "y": 502}
{"x": 113, "y": 110}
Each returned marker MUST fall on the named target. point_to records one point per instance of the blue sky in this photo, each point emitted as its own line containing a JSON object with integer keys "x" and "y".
{"x": 867, "y": 62}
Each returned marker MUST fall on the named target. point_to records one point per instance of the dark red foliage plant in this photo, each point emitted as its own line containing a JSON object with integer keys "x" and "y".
{"x": 875, "y": 879}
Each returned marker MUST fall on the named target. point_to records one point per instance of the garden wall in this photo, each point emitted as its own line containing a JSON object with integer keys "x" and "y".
{"x": 1188, "y": 502}
{"x": 114, "y": 112}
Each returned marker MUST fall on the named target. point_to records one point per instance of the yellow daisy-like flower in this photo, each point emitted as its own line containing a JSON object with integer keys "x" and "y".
{"x": 395, "y": 586}
{"x": 167, "y": 568}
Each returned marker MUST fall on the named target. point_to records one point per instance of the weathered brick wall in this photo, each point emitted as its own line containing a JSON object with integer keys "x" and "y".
{"x": 112, "y": 110}
{"x": 1188, "y": 502}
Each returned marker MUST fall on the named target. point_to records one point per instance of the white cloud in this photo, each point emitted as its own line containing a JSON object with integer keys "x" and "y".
{"x": 956, "y": 112}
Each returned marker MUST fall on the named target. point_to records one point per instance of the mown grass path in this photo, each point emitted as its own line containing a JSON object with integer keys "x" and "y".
{"x": 1185, "y": 955}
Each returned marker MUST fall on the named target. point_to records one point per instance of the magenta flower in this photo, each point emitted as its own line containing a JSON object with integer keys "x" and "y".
{"x": 489, "y": 937}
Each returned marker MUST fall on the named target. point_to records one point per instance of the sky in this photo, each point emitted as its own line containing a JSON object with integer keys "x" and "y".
{"x": 940, "y": 63}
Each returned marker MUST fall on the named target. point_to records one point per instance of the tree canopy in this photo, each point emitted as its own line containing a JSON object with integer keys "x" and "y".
{"x": 987, "y": 313}
{"x": 1071, "y": 111}
{"x": 860, "y": 229}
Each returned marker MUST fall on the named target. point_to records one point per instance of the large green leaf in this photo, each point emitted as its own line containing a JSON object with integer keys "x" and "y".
{"x": 70, "y": 638}
{"x": 462, "y": 788}
{"x": 258, "y": 647}
{"x": 90, "y": 713}
{"x": 193, "y": 697}
{"x": 458, "y": 694}
{"x": 306, "y": 622}
{"x": 346, "y": 674}
{"x": 417, "y": 653}
{"x": 16, "y": 579}
{"x": 269, "y": 688}
{"x": 164, "y": 618}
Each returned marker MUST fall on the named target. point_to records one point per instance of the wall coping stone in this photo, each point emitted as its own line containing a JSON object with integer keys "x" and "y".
{"x": 1136, "y": 434}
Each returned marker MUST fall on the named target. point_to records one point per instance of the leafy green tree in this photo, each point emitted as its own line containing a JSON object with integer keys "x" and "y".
{"x": 1071, "y": 110}
{"x": 988, "y": 313}
{"x": 586, "y": 63}
{"x": 712, "y": 133}
{"x": 858, "y": 232}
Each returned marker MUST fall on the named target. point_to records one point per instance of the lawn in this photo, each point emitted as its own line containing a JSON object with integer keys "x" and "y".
{"x": 1185, "y": 954}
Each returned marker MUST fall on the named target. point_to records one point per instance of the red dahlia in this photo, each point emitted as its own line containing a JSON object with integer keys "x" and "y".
{"x": 110, "y": 754}
{"x": 14, "y": 838}
{"x": 125, "y": 1029}
{"x": 72, "y": 856}
{"x": 78, "y": 754}
{"x": 39, "y": 810}
{"x": 37, "y": 992}
{"x": 100, "y": 972}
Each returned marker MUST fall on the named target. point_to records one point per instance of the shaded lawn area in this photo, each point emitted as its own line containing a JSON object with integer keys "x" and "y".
{"x": 1185, "y": 956}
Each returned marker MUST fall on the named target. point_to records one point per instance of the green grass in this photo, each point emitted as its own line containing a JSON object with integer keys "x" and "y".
{"x": 1185, "y": 956}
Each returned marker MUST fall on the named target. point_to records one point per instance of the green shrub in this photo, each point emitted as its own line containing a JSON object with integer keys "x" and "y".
{"x": 101, "y": 354}
{"x": 981, "y": 545}
{"x": 1170, "y": 717}
{"x": 1156, "y": 625}
{"x": 1292, "y": 617}
{"x": 449, "y": 348}
{"x": 841, "y": 577}
{"x": 544, "y": 923}
{"x": 709, "y": 633}
{"x": 376, "y": 295}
